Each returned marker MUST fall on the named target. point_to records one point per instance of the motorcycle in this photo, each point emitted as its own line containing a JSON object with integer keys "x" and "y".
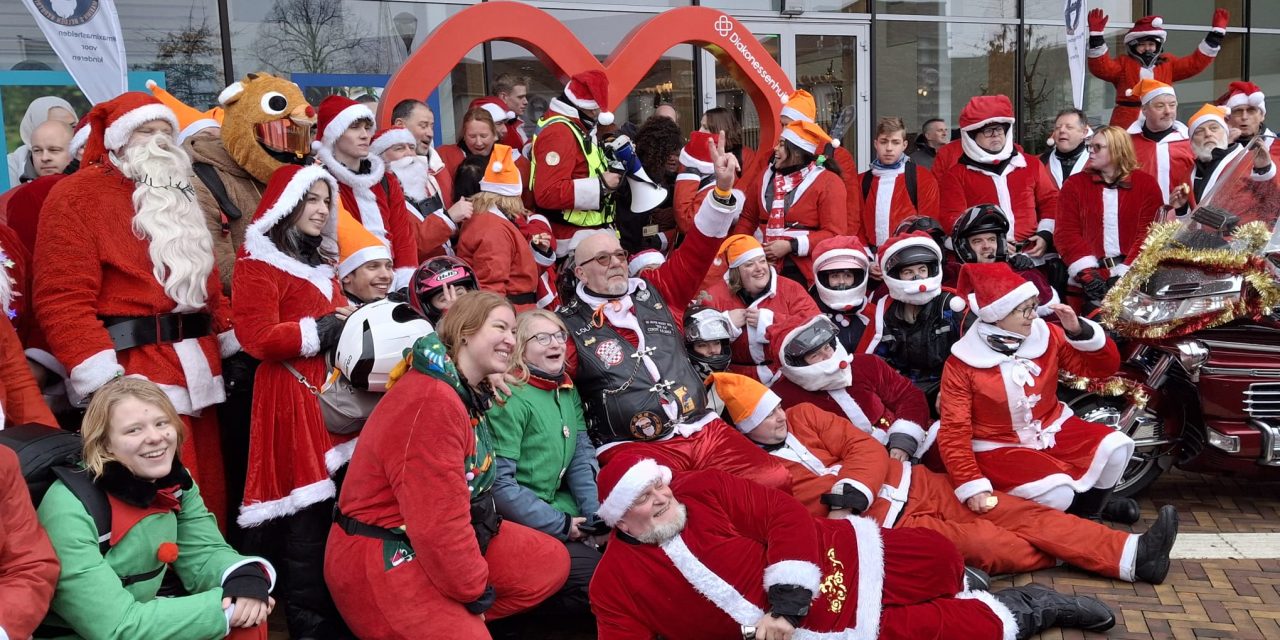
{"x": 1198, "y": 320}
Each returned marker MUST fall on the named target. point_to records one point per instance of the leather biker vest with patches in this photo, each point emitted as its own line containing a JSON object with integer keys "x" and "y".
{"x": 620, "y": 399}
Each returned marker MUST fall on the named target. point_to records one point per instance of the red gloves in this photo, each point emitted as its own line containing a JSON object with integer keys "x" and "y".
{"x": 1220, "y": 19}
{"x": 1098, "y": 21}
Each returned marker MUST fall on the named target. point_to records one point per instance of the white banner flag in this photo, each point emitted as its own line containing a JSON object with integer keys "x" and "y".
{"x": 86, "y": 36}
{"x": 1073, "y": 13}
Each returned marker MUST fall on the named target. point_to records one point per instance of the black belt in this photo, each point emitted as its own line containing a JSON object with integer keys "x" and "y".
{"x": 1128, "y": 103}
{"x": 522, "y": 298}
{"x": 128, "y": 332}
{"x": 354, "y": 527}
{"x": 1110, "y": 263}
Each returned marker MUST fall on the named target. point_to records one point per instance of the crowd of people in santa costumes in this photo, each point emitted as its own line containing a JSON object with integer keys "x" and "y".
{"x": 893, "y": 189}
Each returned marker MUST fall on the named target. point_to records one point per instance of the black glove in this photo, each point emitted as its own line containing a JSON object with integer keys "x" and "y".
{"x": 329, "y": 328}
{"x": 1214, "y": 38}
{"x": 1097, "y": 41}
{"x": 482, "y": 604}
{"x": 904, "y": 442}
{"x": 1021, "y": 262}
{"x": 237, "y": 372}
{"x": 789, "y": 601}
{"x": 848, "y": 498}
{"x": 1094, "y": 283}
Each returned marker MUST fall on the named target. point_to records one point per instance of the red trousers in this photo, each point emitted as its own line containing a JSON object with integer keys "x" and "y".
{"x": 202, "y": 456}
{"x": 923, "y": 595}
{"x": 715, "y": 446}
{"x": 525, "y": 568}
{"x": 1017, "y": 536}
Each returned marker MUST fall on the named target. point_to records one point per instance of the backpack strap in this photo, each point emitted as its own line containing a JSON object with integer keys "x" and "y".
{"x": 866, "y": 185}
{"x": 910, "y": 174}
{"x": 93, "y": 499}
{"x": 386, "y": 187}
{"x": 212, "y": 181}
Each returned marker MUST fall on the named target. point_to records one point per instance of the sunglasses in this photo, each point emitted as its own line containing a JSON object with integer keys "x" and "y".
{"x": 606, "y": 259}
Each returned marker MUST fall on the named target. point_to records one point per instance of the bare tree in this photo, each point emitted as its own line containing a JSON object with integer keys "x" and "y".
{"x": 188, "y": 57}
{"x": 314, "y": 36}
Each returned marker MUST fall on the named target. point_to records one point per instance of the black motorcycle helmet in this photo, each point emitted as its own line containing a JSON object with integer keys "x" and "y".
{"x": 431, "y": 277}
{"x": 925, "y": 224}
{"x": 819, "y": 333}
{"x": 704, "y": 324}
{"x": 1147, "y": 59}
{"x": 983, "y": 218}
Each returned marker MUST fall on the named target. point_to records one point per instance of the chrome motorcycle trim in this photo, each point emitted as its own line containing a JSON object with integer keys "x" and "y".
{"x": 1270, "y": 442}
{"x": 1234, "y": 371}
{"x": 1242, "y": 346}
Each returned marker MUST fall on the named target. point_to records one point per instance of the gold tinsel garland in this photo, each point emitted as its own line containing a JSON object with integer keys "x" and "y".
{"x": 1112, "y": 387}
{"x": 1160, "y": 249}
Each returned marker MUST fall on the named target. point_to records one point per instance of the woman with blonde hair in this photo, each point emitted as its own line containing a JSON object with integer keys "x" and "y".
{"x": 132, "y": 435}
{"x": 477, "y": 137}
{"x": 418, "y": 549}
{"x": 1103, "y": 215}
{"x": 546, "y": 464}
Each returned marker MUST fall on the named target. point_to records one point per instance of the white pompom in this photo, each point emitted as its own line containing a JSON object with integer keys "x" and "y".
{"x": 316, "y": 145}
{"x": 957, "y": 304}
{"x": 606, "y": 118}
{"x": 1157, "y": 22}
{"x": 1128, "y": 92}
{"x": 151, "y": 84}
{"x": 835, "y": 142}
{"x": 497, "y": 167}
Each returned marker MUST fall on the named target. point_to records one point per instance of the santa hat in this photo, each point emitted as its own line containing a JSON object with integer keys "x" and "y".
{"x": 806, "y": 135}
{"x": 590, "y": 90}
{"x": 190, "y": 120}
{"x": 497, "y": 109}
{"x": 114, "y": 121}
{"x": 841, "y": 252}
{"x": 388, "y": 138}
{"x": 801, "y": 106}
{"x": 738, "y": 249}
{"x": 336, "y": 114}
{"x": 1148, "y": 89}
{"x": 356, "y": 244}
{"x": 647, "y": 259}
{"x": 1147, "y": 27}
{"x": 81, "y": 136}
{"x": 623, "y": 480}
{"x": 980, "y": 112}
{"x": 1242, "y": 94}
{"x": 914, "y": 291}
{"x": 993, "y": 289}
{"x": 696, "y": 155}
{"x": 747, "y": 401}
{"x": 1208, "y": 113}
{"x": 502, "y": 176}
{"x": 288, "y": 186}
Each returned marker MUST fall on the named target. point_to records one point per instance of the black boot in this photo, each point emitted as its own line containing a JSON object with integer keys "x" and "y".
{"x": 1089, "y": 504}
{"x": 977, "y": 579}
{"x": 1036, "y": 608}
{"x": 1151, "y": 562}
{"x": 1121, "y": 510}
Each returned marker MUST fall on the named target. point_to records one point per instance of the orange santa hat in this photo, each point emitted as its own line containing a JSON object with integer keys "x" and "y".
{"x": 502, "y": 176}
{"x": 190, "y": 120}
{"x": 749, "y": 402}
{"x": 356, "y": 244}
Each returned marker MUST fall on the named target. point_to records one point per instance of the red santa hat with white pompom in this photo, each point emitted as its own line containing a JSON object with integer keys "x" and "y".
{"x": 994, "y": 290}
{"x": 590, "y": 90}
{"x": 624, "y": 480}
{"x": 1244, "y": 94}
{"x": 1147, "y": 27}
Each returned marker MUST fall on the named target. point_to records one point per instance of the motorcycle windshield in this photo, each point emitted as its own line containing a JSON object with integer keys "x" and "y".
{"x": 1239, "y": 197}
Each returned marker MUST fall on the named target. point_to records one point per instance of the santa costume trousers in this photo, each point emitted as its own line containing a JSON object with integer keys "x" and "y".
{"x": 715, "y": 446}
{"x": 1086, "y": 455}
{"x": 401, "y": 602}
{"x": 1018, "y": 535}
{"x": 202, "y": 455}
{"x": 924, "y": 594}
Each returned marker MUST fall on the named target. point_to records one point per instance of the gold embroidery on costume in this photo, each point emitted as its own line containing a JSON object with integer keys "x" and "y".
{"x": 833, "y": 586}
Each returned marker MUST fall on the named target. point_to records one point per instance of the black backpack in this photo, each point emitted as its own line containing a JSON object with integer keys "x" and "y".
{"x": 909, "y": 174}
{"x": 46, "y": 454}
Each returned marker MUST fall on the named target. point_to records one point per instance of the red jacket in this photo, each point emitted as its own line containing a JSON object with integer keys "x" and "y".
{"x": 1123, "y": 72}
{"x": 818, "y": 211}
{"x": 1024, "y": 190}
{"x": 28, "y": 565}
{"x": 20, "y": 398}
{"x": 500, "y": 256}
{"x": 874, "y": 218}
{"x": 382, "y": 211}
{"x": 1096, "y": 221}
{"x": 23, "y": 209}
{"x": 785, "y": 305}
{"x": 1169, "y": 161}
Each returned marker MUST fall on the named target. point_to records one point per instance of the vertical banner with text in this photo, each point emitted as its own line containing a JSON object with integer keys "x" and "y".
{"x": 86, "y": 36}
{"x": 1073, "y": 13}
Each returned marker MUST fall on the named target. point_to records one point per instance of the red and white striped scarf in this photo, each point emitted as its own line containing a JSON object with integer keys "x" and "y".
{"x": 783, "y": 184}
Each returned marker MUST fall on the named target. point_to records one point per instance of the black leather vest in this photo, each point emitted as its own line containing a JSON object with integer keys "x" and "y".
{"x": 620, "y": 399}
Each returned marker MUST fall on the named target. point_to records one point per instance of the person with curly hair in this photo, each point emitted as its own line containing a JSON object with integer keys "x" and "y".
{"x": 658, "y": 142}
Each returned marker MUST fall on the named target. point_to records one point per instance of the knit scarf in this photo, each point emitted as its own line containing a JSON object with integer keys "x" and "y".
{"x": 877, "y": 165}
{"x": 783, "y": 184}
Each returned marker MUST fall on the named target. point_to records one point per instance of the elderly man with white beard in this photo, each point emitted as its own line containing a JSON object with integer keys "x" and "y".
{"x": 1213, "y": 152}
{"x": 431, "y": 203}
{"x": 125, "y": 281}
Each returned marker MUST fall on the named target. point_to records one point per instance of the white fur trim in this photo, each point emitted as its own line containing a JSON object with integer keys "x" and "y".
{"x": 1266, "y": 176}
{"x": 390, "y": 138}
{"x": 339, "y": 455}
{"x": 758, "y": 336}
{"x": 200, "y": 387}
{"x": 344, "y": 120}
{"x": 1007, "y": 621}
{"x": 118, "y": 131}
{"x": 498, "y": 114}
{"x": 639, "y": 262}
{"x": 586, "y": 193}
{"x": 1129, "y": 558}
{"x": 870, "y": 576}
{"x": 231, "y": 93}
{"x": 1212, "y": 116}
{"x": 747, "y": 256}
{"x": 1047, "y": 224}
{"x": 802, "y": 244}
{"x": 1098, "y": 52}
{"x": 799, "y": 573}
{"x": 1005, "y": 304}
{"x": 1109, "y": 445}
{"x": 794, "y": 114}
{"x": 1087, "y": 262}
{"x": 93, "y": 372}
{"x": 357, "y": 181}
{"x": 310, "y": 345}
{"x": 46, "y": 360}
{"x": 1208, "y": 49}
{"x": 702, "y": 167}
{"x": 764, "y": 406}
{"x": 258, "y": 247}
{"x": 228, "y": 343}
{"x": 267, "y": 566}
{"x": 634, "y": 482}
{"x": 712, "y": 587}
{"x": 714, "y": 220}
{"x": 909, "y": 428}
{"x": 197, "y": 127}
{"x": 401, "y": 278}
{"x": 970, "y": 146}
{"x": 974, "y": 351}
{"x": 1096, "y": 342}
{"x": 973, "y": 488}
{"x": 252, "y": 515}
{"x": 357, "y": 259}
{"x": 80, "y": 138}
{"x": 799, "y": 141}
{"x": 580, "y": 102}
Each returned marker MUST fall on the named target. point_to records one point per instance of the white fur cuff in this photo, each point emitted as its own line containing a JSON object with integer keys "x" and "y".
{"x": 266, "y": 566}
{"x": 1007, "y": 621}
{"x": 1087, "y": 262}
{"x": 1208, "y": 50}
{"x": 862, "y": 488}
{"x": 1047, "y": 224}
{"x": 586, "y": 194}
{"x": 1098, "y": 52}
{"x": 1097, "y": 341}
{"x": 310, "y": 337}
{"x": 909, "y": 428}
{"x": 715, "y": 220}
{"x": 228, "y": 344}
{"x": 805, "y": 575}
{"x": 973, "y": 488}
{"x": 93, "y": 372}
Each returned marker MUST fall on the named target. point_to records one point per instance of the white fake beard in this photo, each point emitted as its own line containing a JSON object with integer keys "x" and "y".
{"x": 662, "y": 534}
{"x": 414, "y": 173}
{"x": 168, "y": 215}
{"x": 1204, "y": 153}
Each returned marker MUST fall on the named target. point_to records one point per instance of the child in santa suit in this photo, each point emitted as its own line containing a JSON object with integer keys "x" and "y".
{"x": 289, "y": 310}
{"x": 796, "y": 203}
{"x": 344, "y": 130}
{"x": 1003, "y": 427}
{"x": 436, "y": 215}
{"x": 838, "y": 471}
{"x": 1161, "y": 143}
{"x": 841, "y": 266}
{"x": 1145, "y": 58}
{"x": 893, "y": 189}
{"x": 758, "y": 303}
{"x": 706, "y": 555}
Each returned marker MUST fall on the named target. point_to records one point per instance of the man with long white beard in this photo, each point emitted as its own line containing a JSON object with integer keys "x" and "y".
{"x": 125, "y": 282}
{"x": 430, "y": 203}
{"x": 1214, "y": 153}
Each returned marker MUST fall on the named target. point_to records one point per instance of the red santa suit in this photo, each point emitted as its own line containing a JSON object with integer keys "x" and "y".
{"x": 492, "y": 244}
{"x": 427, "y": 198}
{"x": 802, "y": 106}
{"x": 1239, "y": 94}
{"x": 91, "y": 265}
{"x": 278, "y": 298}
{"x": 15, "y": 299}
{"x": 883, "y": 206}
{"x": 1169, "y": 160}
{"x": 1002, "y": 426}
{"x": 1100, "y": 222}
{"x": 28, "y": 565}
{"x": 370, "y": 194}
{"x": 20, "y": 398}
{"x": 713, "y": 577}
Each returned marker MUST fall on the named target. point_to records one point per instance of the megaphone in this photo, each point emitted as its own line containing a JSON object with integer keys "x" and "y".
{"x": 646, "y": 195}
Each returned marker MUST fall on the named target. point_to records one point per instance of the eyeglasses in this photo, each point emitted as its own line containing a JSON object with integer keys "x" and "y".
{"x": 545, "y": 339}
{"x": 991, "y": 131}
{"x": 1095, "y": 147}
{"x": 606, "y": 259}
{"x": 1027, "y": 311}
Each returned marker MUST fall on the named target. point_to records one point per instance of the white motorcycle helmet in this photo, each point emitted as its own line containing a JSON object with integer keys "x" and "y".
{"x": 374, "y": 340}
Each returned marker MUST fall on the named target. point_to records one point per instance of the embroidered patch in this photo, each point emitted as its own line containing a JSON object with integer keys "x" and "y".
{"x": 644, "y": 425}
{"x": 396, "y": 553}
{"x": 655, "y": 327}
{"x": 642, "y": 295}
{"x": 610, "y": 352}
{"x": 552, "y": 158}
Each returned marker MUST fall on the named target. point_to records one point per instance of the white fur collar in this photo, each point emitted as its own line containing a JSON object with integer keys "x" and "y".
{"x": 974, "y": 351}
{"x": 349, "y": 177}
{"x": 258, "y": 246}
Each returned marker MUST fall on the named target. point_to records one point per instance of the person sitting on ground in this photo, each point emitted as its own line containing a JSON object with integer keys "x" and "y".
{"x": 437, "y": 284}
{"x": 159, "y": 523}
{"x": 546, "y": 464}
{"x": 841, "y": 267}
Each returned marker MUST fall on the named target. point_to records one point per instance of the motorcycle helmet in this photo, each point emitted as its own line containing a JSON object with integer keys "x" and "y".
{"x": 816, "y": 334}
{"x": 703, "y": 324}
{"x": 907, "y": 250}
{"x": 431, "y": 277}
{"x": 841, "y": 253}
{"x": 925, "y": 224}
{"x": 983, "y": 218}
{"x": 1147, "y": 59}
{"x": 374, "y": 340}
